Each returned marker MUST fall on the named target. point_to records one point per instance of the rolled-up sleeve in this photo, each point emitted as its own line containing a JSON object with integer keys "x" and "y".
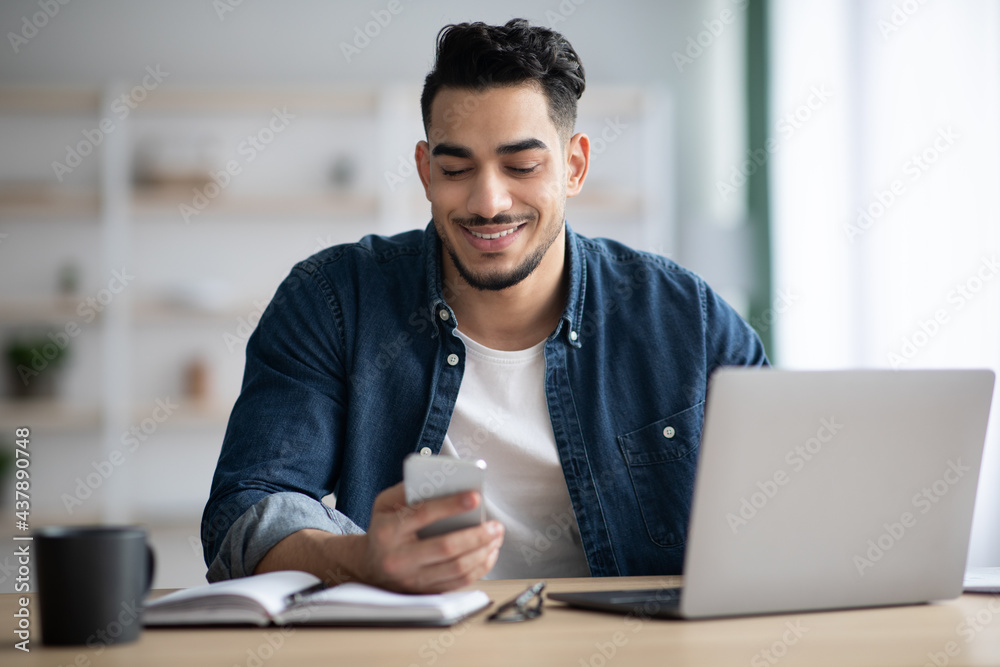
{"x": 265, "y": 524}
{"x": 282, "y": 450}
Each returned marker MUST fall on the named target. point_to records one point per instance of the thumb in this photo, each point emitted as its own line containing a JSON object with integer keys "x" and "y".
{"x": 391, "y": 499}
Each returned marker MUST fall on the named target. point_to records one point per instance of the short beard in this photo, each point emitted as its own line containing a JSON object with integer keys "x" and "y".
{"x": 496, "y": 281}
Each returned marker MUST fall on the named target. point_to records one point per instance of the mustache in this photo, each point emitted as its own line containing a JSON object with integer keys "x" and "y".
{"x": 501, "y": 219}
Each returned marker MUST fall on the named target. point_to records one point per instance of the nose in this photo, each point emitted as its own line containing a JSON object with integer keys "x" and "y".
{"x": 489, "y": 195}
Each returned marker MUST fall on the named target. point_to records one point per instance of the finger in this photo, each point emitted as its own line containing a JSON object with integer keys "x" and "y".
{"x": 442, "y": 549}
{"x": 435, "y": 509}
{"x": 461, "y": 571}
{"x": 438, "y": 559}
{"x": 390, "y": 498}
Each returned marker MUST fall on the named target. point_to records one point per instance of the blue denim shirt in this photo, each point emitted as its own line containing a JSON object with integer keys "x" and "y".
{"x": 355, "y": 363}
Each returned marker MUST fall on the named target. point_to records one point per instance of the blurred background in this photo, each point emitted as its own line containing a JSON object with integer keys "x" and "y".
{"x": 832, "y": 169}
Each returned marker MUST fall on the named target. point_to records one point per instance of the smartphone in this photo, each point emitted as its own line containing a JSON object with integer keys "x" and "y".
{"x": 426, "y": 477}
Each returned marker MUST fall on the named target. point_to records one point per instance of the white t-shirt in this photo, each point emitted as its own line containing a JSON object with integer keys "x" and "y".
{"x": 501, "y": 416}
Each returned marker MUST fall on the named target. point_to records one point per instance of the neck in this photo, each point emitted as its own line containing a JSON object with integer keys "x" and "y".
{"x": 515, "y": 318}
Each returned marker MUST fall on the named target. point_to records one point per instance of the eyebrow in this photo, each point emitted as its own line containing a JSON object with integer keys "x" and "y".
{"x": 454, "y": 150}
{"x": 523, "y": 145}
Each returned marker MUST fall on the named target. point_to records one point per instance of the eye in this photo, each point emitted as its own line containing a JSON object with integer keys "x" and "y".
{"x": 453, "y": 172}
{"x": 523, "y": 170}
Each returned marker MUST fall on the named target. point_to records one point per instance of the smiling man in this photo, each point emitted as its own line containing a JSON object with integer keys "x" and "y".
{"x": 577, "y": 368}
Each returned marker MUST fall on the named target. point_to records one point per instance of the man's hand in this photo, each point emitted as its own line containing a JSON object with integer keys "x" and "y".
{"x": 395, "y": 558}
{"x": 390, "y": 554}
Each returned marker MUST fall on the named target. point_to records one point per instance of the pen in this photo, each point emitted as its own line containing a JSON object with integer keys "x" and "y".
{"x": 299, "y": 596}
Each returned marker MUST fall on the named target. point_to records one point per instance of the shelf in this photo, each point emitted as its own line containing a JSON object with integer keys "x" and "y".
{"x": 49, "y": 99}
{"x": 33, "y": 201}
{"x": 242, "y": 100}
{"x": 161, "y": 311}
{"x": 189, "y": 414}
{"x": 200, "y": 99}
{"x": 57, "y": 415}
{"x": 58, "y": 310}
{"x": 52, "y": 310}
{"x": 48, "y": 414}
{"x": 596, "y": 200}
{"x": 166, "y": 202}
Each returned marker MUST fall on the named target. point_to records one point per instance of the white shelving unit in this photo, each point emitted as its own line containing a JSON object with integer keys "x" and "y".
{"x": 283, "y": 206}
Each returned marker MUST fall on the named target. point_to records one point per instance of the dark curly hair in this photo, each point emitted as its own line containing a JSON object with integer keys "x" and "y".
{"x": 477, "y": 56}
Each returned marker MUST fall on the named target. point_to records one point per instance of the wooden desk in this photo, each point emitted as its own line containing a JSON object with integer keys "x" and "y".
{"x": 969, "y": 627}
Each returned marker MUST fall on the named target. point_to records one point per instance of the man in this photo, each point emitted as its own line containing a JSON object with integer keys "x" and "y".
{"x": 576, "y": 368}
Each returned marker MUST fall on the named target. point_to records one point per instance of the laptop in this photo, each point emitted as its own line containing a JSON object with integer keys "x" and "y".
{"x": 820, "y": 490}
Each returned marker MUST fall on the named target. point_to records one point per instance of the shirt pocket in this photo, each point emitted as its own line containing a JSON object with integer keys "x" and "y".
{"x": 661, "y": 459}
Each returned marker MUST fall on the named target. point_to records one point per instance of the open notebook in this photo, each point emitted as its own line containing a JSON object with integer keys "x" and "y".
{"x": 298, "y": 598}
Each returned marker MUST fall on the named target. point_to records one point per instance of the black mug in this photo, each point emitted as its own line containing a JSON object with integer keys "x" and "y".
{"x": 91, "y": 583}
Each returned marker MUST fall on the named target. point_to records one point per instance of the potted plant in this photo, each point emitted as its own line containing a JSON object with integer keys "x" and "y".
{"x": 6, "y": 470}
{"x": 33, "y": 365}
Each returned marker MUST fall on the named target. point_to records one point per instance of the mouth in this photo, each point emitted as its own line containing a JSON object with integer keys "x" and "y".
{"x": 492, "y": 238}
{"x": 494, "y": 235}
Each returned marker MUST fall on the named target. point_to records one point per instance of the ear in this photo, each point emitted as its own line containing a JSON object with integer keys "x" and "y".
{"x": 577, "y": 163}
{"x": 422, "y": 156}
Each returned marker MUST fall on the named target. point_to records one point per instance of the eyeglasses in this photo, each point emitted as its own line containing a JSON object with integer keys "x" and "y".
{"x": 520, "y": 608}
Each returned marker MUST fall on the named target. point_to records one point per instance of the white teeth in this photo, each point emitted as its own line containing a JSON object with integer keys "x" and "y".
{"x": 492, "y": 236}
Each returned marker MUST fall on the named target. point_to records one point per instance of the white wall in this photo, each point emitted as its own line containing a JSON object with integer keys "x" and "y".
{"x": 885, "y": 200}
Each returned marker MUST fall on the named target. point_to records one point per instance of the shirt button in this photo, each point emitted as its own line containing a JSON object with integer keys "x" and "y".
{"x": 425, "y": 451}
{"x": 443, "y": 314}
{"x": 452, "y": 359}
{"x": 669, "y": 432}
{"x": 573, "y": 335}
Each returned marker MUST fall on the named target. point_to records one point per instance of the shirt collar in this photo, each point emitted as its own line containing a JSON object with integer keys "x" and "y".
{"x": 570, "y": 323}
